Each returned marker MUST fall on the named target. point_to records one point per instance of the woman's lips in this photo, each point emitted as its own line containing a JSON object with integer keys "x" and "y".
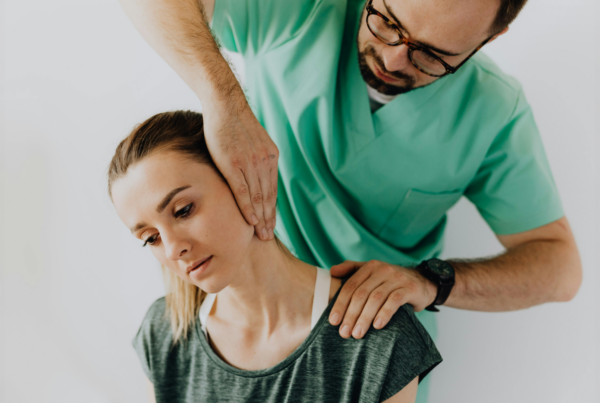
{"x": 199, "y": 267}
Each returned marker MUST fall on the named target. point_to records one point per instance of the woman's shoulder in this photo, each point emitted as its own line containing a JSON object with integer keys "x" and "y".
{"x": 156, "y": 317}
{"x": 155, "y": 330}
{"x": 386, "y": 359}
{"x": 405, "y": 327}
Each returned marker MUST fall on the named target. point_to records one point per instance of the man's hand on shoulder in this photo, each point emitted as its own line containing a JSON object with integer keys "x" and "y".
{"x": 374, "y": 293}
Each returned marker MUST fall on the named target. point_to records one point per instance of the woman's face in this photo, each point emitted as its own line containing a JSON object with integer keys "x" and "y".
{"x": 186, "y": 214}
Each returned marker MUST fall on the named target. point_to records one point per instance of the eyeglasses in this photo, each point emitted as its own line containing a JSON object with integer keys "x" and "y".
{"x": 423, "y": 59}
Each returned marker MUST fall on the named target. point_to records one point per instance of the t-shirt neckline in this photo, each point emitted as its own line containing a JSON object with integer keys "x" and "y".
{"x": 289, "y": 360}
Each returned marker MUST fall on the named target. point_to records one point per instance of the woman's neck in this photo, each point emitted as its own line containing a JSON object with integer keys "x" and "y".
{"x": 271, "y": 289}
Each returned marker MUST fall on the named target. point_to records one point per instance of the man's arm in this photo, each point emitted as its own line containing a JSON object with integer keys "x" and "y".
{"x": 539, "y": 266}
{"x": 241, "y": 148}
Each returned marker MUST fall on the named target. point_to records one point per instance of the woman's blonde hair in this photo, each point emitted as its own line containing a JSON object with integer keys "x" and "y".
{"x": 180, "y": 131}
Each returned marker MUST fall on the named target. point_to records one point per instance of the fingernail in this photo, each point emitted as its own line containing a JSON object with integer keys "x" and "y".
{"x": 271, "y": 233}
{"x": 357, "y": 331}
{"x": 335, "y": 319}
{"x": 265, "y": 234}
{"x": 254, "y": 219}
{"x": 346, "y": 330}
{"x": 378, "y": 323}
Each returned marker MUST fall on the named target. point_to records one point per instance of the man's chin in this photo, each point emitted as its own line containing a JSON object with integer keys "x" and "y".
{"x": 387, "y": 89}
{"x": 403, "y": 86}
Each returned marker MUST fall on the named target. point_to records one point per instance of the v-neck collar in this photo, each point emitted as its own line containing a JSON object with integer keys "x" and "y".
{"x": 355, "y": 98}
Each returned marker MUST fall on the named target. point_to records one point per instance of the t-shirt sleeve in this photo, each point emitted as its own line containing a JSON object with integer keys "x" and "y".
{"x": 414, "y": 354}
{"x": 513, "y": 188}
{"x": 250, "y": 27}
{"x": 151, "y": 336}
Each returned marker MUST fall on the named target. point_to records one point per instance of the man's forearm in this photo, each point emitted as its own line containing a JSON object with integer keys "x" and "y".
{"x": 526, "y": 275}
{"x": 178, "y": 31}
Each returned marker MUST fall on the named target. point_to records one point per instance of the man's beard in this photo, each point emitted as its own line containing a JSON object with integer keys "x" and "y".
{"x": 375, "y": 82}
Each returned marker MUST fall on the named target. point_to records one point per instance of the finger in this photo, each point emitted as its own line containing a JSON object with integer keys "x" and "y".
{"x": 256, "y": 198}
{"x": 241, "y": 191}
{"x": 394, "y": 301}
{"x": 375, "y": 301}
{"x": 268, "y": 206}
{"x": 343, "y": 269}
{"x": 357, "y": 303}
{"x": 345, "y": 295}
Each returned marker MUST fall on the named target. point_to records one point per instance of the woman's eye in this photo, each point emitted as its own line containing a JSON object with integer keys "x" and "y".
{"x": 150, "y": 240}
{"x": 184, "y": 212}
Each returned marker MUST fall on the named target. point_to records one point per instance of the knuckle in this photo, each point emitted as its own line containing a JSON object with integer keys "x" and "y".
{"x": 388, "y": 271}
{"x": 377, "y": 296}
{"x": 273, "y": 151}
{"x": 412, "y": 287}
{"x": 360, "y": 294}
{"x": 397, "y": 297}
{"x": 398, "y": 275}
{"x": 350, "y": 286}
{"x": 242, "y": 190}
{"x": 385, "y": 313}
{"x": 350, "y": 317}
{"x": 270, "y": 196}
{"x": 237, "y": 162}
{"x": 257, "y": 198}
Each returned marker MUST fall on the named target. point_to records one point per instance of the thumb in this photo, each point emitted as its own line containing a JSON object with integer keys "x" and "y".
{"x": 345, "y": 268}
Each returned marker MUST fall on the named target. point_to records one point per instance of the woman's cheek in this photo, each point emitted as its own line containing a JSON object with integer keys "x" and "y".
{"x": 159, "y": 254}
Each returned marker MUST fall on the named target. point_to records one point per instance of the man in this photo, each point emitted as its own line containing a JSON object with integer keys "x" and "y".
{"x": 383, "y": 114}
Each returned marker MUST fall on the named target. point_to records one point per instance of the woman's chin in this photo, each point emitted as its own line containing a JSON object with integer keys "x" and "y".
{"x": 210, "y": 285}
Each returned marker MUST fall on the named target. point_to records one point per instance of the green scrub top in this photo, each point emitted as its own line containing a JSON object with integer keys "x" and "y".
{"x": 361, "y": 186}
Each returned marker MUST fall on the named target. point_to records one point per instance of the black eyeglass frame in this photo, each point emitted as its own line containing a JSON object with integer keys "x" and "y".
{"x": 412, "y": 47}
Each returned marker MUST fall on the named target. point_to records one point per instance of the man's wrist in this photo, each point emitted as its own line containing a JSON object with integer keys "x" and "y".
{"x": 222, "y": 93}
{"x": 441, "y": 276}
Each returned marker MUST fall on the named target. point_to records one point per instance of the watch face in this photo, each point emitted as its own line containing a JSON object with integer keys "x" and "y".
{"x": 441, "y": 268}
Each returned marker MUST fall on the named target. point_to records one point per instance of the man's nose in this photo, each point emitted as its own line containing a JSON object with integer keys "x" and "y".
{"x": 395, "y": 58}
{"x": 176, "y": 247}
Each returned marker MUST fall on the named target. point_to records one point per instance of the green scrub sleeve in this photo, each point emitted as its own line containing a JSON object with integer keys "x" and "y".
{"x": 251, "y": 27}
{"x": 513, "y": 188}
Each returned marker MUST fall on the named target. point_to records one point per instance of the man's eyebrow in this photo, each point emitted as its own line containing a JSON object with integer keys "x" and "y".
{"x": 440, "y": 51}
{"x": 161, "y": 206}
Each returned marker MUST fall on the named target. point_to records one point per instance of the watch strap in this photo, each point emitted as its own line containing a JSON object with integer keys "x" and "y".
{"x": 444, "y": 287}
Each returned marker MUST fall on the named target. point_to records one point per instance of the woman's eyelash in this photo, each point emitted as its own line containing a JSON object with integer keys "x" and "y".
{"x": 150, "y": 240}
{"x": 184, "y": 212}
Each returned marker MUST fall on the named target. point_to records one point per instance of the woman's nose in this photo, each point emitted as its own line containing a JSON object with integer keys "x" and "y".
{"x": 395, "y": 58}
{"x": 175, "y": 247}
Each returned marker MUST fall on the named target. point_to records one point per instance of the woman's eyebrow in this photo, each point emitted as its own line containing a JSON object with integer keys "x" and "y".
{"x": 167, "y": 199}
{"x": 161, "y": 206}
{"x": 443, "y": 52}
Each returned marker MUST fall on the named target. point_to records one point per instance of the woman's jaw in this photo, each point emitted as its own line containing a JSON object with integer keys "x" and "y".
{"x": 188, "y": 217}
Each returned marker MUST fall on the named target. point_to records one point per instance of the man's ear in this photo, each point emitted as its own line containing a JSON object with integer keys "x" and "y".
{"x": 505, "y": 30}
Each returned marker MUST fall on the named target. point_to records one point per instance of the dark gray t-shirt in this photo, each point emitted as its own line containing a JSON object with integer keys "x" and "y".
{"x": 324, "y": 368}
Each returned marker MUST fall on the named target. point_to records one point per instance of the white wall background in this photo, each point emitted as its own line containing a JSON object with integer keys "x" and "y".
{"x": 74, "y": 284}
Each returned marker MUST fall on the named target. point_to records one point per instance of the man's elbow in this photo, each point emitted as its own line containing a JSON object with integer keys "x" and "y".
{"x": 570, "y": 278}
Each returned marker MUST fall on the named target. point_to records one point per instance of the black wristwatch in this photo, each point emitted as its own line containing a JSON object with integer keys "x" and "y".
{"x": 441, "y": 274}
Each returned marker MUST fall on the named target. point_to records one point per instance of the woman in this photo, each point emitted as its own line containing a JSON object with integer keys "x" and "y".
{"x": 261, "y": 334}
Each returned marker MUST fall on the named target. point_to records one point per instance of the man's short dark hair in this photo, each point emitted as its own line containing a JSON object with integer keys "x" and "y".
{"x": 507, "y": 12}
